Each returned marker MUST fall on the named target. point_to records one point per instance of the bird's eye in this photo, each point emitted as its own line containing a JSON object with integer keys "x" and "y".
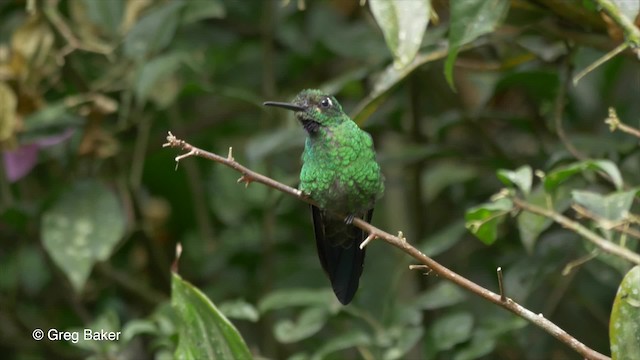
{"x": 325, "y": 103}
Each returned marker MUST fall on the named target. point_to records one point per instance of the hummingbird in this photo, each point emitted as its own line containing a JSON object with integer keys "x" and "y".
{"x": 341, "y": 175}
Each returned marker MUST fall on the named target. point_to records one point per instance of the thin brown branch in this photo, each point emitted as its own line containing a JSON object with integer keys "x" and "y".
{"x": 615, "y": 124}
{"x": 401, "y": 243}
{"x": 602, "y": 243}
{"x": 558, "y": 110}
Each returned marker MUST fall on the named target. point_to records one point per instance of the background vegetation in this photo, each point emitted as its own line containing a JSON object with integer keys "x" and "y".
{"x": 92, "y": 207}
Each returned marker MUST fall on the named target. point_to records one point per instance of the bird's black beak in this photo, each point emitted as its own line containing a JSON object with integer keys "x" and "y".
{"x": 284, "y": 105}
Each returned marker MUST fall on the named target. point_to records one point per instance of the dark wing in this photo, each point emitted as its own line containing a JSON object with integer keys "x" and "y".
{"x": 339, "y": 252}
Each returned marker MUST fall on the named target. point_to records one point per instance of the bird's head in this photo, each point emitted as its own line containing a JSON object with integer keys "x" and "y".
{"x": 314, "y": 109}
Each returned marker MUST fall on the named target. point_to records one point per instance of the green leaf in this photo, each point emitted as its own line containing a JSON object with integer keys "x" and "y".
{"x": 154, "y": 31}
{"x": 477, "y": 348}
{"x": 8, "y": 106}
{"x": 390, "y": 77}
{"x": 81, "y": 228}
{"x": 107, "y": 322}
{"x": 629, "y": 8}
{"x": 406, "y": 341}
{"x": 471, "y": 19}
{"x": 613, "y": 207}
{"x": 240, "y": 309}
{"x": 441, "y": 295}
{"x": 556, "y": 177}
{"x": 532, "y": 225}
{"x": 451, "y": 329}
{"x": 204, "y": 333}
{"x": 442, "y": 175}
{"x": 443, "y": 239}
{"x": 483, "y": 220}
{"x": 624, "y": 325}
{"x": 51, "y": 118}
{"x": 403, "y": 24}
{"x": 200, "y": 10}
{"x": 266, "y": 144}
{"x": 309, "y": 322}
{"x": 295, "y": 297}
{"x": 105, "y": 14}
{"x": 154, "y": 72}
{"x": 342, "y": 341}
{"x": 522, "y": 178}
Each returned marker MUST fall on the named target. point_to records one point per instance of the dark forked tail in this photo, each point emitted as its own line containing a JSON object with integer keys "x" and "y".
{"x": 339, "y": 252}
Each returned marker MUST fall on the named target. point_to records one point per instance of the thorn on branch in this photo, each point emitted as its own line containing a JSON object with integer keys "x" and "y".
{"x": 230, "y": 155}
{"x": 503, "y": 297}
{"x": 174, "y": 265}
{"x": 366, "y": 241}
{"x": 421, "y": 267}
{"x": 401, "y": 237}
{"x": 245, "y": 179}
{"x": 193, "y": 152}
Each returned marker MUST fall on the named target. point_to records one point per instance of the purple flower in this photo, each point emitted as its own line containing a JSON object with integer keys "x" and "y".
{"x": 19, "y": 162}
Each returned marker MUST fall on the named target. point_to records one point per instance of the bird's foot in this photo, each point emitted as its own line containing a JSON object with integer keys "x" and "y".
{"x": 349, "y": 219}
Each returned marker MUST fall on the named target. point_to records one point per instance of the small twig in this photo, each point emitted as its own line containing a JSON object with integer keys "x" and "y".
{"x": 558, "y": 108}
{"x": 578, "y": 262}
{"x": 602, "y": 243}
{"x": 366, "y": 241}
{"x": 615, "y": 124}
{"x": 401, "y": 243}
{"x": 621, "y": 226}
{"x": 176, "y": 260}
{"x": 503, "y": 297}
{"x": 421, "y": 267}
{"x": 606, "y": 57}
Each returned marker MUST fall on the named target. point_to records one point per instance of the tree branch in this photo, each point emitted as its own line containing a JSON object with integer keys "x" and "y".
{"x": 615, "y": 124}
{"x": 602, "y": 243}
{"x": 401, "y": 243}
{"x": 631, "y": 32}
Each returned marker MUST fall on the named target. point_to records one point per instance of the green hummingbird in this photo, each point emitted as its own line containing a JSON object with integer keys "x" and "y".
{"x": 341, "y": 175}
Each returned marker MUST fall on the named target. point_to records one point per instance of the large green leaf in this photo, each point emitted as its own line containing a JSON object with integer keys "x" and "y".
{"x": 624, "y": 325}
{"x": 81, "y": 228}
{"x": 443, "y": 240}
{"x": 452, "y": 329}
{"x": 469, "y": 20}
{"x": 441, "y": 295}
{"x": 532, "y": 225}
{"x": 556, "y": 177}
{"x": 200, "y": 10}
{"x": 204, "y": 333}
{"x": 154, "y": 31}
{"x": 342, "y": 341}
{"x": 296, "y": 297}
{"x": 309, "y": 322}
{"x": 407, "y": 339}
{"x": 612, "y": 207}
{"x": 403, "y": 24}
{"x": 152, "y": 73}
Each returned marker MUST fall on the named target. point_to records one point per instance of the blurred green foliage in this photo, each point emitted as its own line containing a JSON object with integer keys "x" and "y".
{"x": 91, "y": 206}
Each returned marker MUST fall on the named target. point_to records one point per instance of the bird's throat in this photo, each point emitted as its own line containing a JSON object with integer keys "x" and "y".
{"x": 310, "y": 126}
